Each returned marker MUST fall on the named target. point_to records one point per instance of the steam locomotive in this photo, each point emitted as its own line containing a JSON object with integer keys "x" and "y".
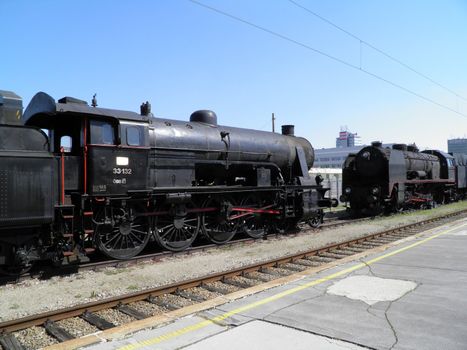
{"x": 76, "y": 178}
{"x": 381, "y": 178}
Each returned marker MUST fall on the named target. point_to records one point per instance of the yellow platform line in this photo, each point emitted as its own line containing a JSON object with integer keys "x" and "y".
{"x": 217, "y": 319}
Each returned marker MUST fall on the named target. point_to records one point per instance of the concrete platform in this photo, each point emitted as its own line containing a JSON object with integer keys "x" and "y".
{"x": 411, "y": 296}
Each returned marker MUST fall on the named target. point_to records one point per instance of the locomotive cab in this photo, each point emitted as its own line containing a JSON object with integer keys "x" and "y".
{"x": 117, "y": 156}
{"x": 461, "y": 173}
{"x": 96, "y": 152}
{"x": 100, "y": 167}
{"x": 447, "y": 164}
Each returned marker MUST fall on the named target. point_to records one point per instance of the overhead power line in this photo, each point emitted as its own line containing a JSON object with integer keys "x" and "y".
{"x": 376, "y": 49}
{"x": 322, "y": 53}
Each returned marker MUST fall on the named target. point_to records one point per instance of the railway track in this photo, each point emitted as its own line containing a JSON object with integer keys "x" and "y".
{"x": 170, "y": 301}
{"x": 47, "y": 271}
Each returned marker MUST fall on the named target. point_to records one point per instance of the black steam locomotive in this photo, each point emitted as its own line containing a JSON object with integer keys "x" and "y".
{"x": 382, "y": 178}
{"x": 75, "y": 178}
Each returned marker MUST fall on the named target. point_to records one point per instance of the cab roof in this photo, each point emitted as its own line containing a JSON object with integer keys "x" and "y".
{"x": 43, "y": 104}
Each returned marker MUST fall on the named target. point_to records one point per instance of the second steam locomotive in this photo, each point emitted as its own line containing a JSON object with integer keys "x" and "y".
{"x": 390, "y": 178}
{"x": 75, "y": 178}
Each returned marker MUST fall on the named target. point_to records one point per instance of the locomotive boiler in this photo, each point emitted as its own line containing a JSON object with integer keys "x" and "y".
{"x": 388, "y": 178}
{"x": 92, "y": 178}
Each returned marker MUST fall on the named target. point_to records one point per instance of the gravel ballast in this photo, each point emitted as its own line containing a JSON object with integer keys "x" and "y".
{"x": 77, "y": 327}
{"x": 35, "y": 296}
{"x": 114, "y": 316}
{"x": 35, "y": 337}
{"x": 148, "y": 308}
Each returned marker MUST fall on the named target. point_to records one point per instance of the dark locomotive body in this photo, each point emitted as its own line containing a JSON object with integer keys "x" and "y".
{"x": 460, "y": 161}
{"x": 77, "y": 178}
{"x": 382, "y": 178}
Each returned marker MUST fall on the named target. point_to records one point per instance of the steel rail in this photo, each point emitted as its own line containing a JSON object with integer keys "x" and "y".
{"x": 63, "y": 270}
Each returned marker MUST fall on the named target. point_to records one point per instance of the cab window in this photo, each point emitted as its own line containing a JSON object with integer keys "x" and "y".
{"x": 66, "y": 143}
{"x": 134, "y": 136}
{"x": 102, "y": 133}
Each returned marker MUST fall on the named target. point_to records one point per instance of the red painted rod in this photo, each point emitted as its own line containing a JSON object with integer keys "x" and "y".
{"x": 62, "y": 175}
{"x": 258, "y": 211}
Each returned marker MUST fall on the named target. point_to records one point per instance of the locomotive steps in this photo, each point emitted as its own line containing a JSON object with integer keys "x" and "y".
{"x": 216, "y": 288}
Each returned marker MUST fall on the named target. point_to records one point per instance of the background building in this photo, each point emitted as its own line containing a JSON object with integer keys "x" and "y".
{"x": 333, "y": 157}
{"x": 346, "y": 138}
{"x": 457, "y": 146}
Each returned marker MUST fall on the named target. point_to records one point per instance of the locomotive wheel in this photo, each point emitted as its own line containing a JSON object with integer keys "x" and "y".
{"x": 177, "y": 230}
{"x": 216, "y": 226}
{"x": 253, "y": 224}
{"x": 315, "y": 221}
{"x": 127, "y": 234}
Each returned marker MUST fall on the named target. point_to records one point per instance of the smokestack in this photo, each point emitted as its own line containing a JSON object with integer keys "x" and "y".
{"x": 288, "y": 130}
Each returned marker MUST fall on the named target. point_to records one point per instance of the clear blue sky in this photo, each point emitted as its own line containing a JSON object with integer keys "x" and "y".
{"x": 182, "y": 57}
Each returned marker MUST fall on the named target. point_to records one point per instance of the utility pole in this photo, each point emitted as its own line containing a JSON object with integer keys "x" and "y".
{"x": 273, "y": 119}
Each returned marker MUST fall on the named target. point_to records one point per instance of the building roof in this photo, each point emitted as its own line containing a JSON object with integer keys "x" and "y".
{"x": 338, "y": 150}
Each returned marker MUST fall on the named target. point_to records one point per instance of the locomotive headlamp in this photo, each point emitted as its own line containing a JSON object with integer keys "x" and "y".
{"x": 375, "y": 190}
{"x": 347, "y": 190}
{"x": 366, "y": 155}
